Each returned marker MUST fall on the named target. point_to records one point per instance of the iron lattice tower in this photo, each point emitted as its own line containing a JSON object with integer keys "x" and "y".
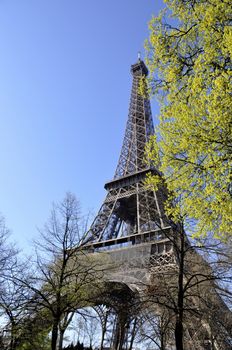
{"x": 131, "y": 213}
{"x": 132, "y": 216}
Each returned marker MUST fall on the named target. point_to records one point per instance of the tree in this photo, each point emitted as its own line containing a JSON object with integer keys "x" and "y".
{"x": 15, "y": 296}
{"x": 187, "y": 291}
{"x": 154, "y": 331}
{"x": 190, "y": 64}
{"x": 13, "y": 303}
{"x": 8, "y": 250}
{"x": 12, "y": 297}
{"x": 91, "y": 325}
{"x": 65, "y": 275}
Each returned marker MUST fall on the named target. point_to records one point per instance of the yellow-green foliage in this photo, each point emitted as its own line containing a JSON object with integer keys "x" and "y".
{"x": 190, "y": 65}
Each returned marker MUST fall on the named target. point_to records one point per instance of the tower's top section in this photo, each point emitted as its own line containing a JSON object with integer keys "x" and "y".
{"x": 139, "y": 68}
{"x": 139, "y": 127}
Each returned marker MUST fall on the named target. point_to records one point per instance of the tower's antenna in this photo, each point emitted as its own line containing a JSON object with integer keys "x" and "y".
{"x": 139, "y": 55}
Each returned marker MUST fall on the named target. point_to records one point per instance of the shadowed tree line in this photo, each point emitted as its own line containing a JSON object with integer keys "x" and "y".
{"x": 78, "y": 346}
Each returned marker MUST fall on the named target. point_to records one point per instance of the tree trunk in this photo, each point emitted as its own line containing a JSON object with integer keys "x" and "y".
{"x": 133, "y": 333}
{"x": 180, "y": 302}
{"x": 13, "y": 335}
{"x": 162, "y": 341}
{"x": 54, "y": 335}
{"x": 63, "y": 326}
{"x": 179, "y": 334}
{"x": 61, "y": 338}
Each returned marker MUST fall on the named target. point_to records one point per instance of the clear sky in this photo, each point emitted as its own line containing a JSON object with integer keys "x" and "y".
{"x": 64, "y": 95}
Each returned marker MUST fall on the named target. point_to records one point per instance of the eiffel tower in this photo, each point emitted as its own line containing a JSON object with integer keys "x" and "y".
{"x": 131, "y": 225}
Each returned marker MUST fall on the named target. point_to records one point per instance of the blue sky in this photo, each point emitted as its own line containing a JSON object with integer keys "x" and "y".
{"x": 64, "y": 97}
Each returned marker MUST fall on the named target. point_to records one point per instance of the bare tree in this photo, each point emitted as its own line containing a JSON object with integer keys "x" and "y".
{"x": 65, "y": 275}
{"x": 154, "y": 331}
{"x": 12, "y": 296}
{"x": 87, "y": 327}
{"x": 190, "y": 290}
{"x": 92, "y": 325}
{"x": 13, "y": 302}
{"x": 8, "y": 250}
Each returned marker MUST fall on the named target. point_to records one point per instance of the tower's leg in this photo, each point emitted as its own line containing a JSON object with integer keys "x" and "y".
{"x": 104, "y": 323}
{"x": 120, "y": 329}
